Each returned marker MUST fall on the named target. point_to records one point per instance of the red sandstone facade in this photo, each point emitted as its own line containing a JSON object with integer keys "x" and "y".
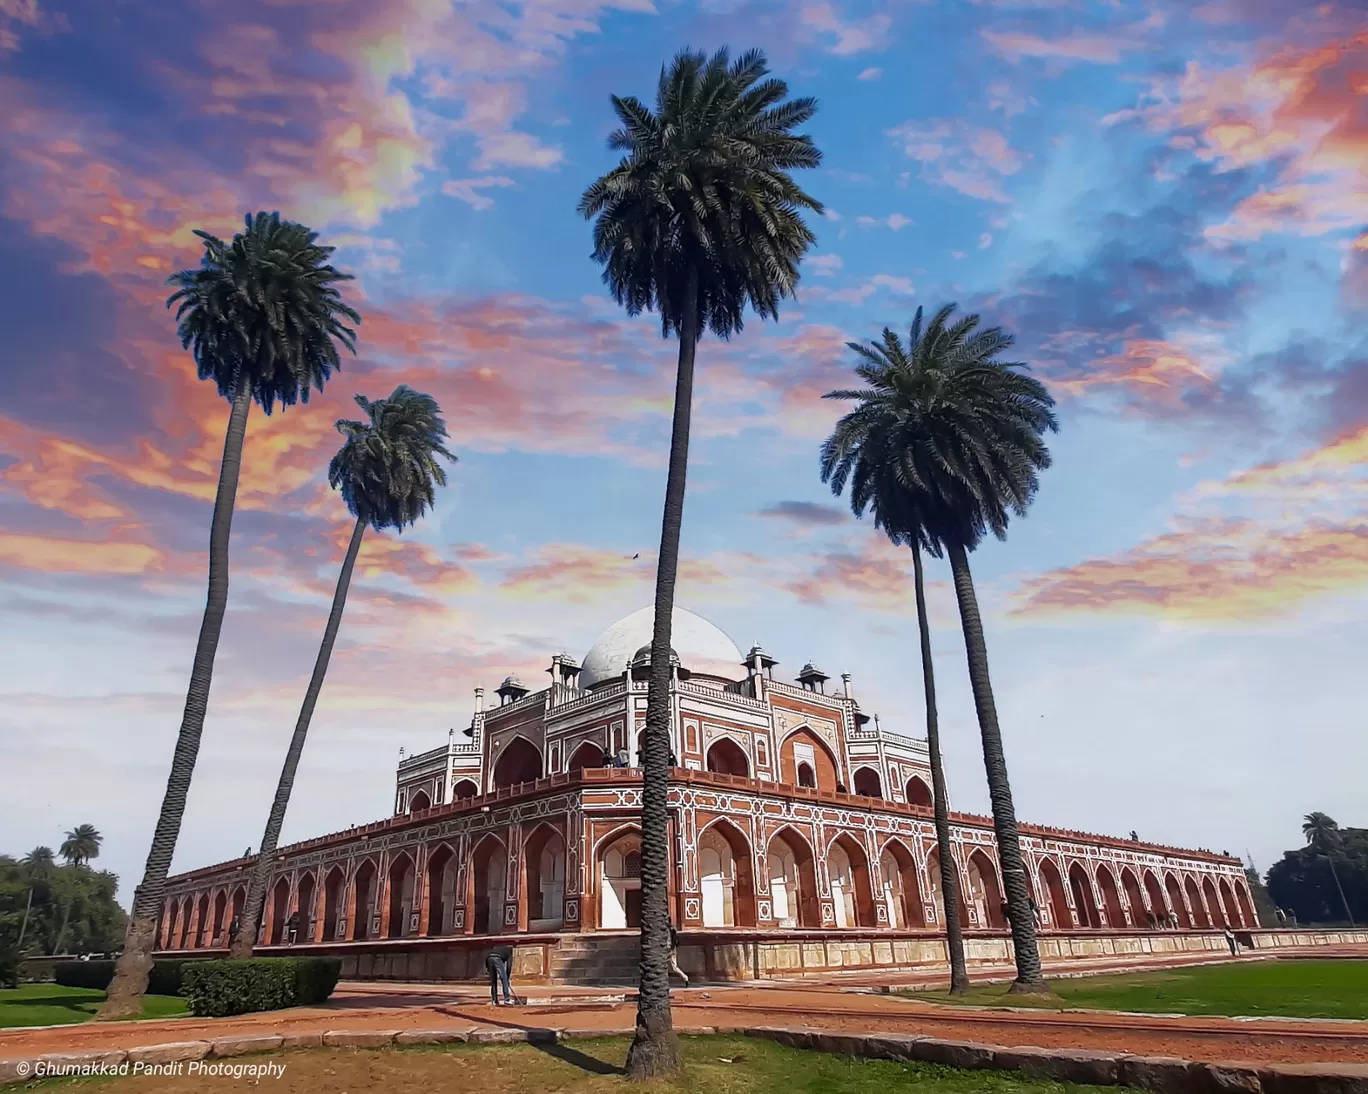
{"x": 791, "y": 821}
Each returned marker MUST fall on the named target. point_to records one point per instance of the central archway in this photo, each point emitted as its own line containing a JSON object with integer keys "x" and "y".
{"x": 792, "y": 881}
{"x": 725, "y": 757}
{"x": 867, "y": 783}
{"x": 918, "y": 793}
{"x": 520, "y": 762}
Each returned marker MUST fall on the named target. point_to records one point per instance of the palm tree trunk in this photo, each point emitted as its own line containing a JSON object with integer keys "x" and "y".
{"x": 66, "y": 918}
{"x": 655, "y": 1048}
{"x": 1029, "y": 977}
{"x": 124, "y": 998}
{"x": 954, "y": 931}
{"x": 256, "y": 891}
{"x": 23, "y": 927}
{"x": 1343, "y": 899}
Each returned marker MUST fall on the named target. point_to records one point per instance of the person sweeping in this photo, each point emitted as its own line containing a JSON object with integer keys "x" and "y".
{"x": 499, "y": 964}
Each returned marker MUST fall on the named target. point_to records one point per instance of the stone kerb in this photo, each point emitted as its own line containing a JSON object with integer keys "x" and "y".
{"x": 1161, "y": 1074}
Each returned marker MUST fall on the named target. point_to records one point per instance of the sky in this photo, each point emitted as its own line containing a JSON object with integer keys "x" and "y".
{"x": 1165, "y": 203}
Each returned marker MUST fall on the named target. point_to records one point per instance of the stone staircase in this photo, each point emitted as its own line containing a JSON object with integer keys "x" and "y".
{"x": 596, "y": 959}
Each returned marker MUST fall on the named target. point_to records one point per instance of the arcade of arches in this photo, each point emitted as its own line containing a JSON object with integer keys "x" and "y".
{"x": 508, "y": 881}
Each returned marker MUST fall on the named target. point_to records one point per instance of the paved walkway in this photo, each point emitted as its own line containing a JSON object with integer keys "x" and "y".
{"x": 837, "y": 1004}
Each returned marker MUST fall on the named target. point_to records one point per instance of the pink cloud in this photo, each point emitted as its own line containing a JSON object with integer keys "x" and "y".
{"x": 847, "y": 37}
{"x": 955, "y": 154}
{"x": 1076, "y": 45}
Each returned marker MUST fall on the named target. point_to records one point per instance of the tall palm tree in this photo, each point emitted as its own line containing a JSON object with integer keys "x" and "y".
{"x": 699, "y": 219}
{"x": 388, "y": 473}
{"x": 967, "y": 431}
{"x": 81, "y": 845}
{"x": 864, "y": 451}
{"x": 264, "y": 319}
{"x": 38, "y": 865}
{"x": 1322, "y": 836}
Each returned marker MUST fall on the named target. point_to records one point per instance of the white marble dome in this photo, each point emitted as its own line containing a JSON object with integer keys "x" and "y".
{"x": 700, "y": 647}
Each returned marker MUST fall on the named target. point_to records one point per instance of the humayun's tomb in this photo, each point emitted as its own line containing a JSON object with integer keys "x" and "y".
{"x": 802, "y": 843}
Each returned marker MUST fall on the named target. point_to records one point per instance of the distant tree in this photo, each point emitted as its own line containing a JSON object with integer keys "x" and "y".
{"x": 698, "y": 220}
{"x": 81, "y": 845}
{"x": 1258, "y": 893}
{"x": 388, "y": 471}
{"x": 264, "y": 319}
{"x": 1325, "y": 881}
{"x": 38, "y": 866}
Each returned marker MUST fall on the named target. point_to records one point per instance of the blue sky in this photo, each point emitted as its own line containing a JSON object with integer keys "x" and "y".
{"x": 1165, "y": 204}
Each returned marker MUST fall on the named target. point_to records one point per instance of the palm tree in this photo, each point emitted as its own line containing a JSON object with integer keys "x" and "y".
{"x": 863, "y": 451}
{"x": 81, "y": 845}
{"x": 699, "y": 219}
{"x": 1322, "y": 836}
{"x": 388, "y": 473}
{"x": 966, "y": 430}
{"x": 38, "y": 865}
{"x": 264, "y": 320}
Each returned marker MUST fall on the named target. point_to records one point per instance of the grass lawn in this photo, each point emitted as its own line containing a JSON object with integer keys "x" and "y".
{"x": 592, "y": 1067}
{"x": 1294, "y": 989}
{"x": 54, "y": 1005}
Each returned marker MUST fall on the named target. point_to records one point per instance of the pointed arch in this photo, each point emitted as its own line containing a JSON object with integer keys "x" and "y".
{"x": 933, "y": 874}
{"x": 1247, "y": 916}
{"x": 419, "y": 802}
{"x": 464, "y": 788}
{"x": 363, "y": 899}
{"x": 618, "y": 861}
{"x": 1175, "y": 896}
{"x": 401, "y": 890}
{"x": 334, "y": 897}
{"x": 308, "y": 892}
{"x": 439, "y": 905}
{"x": 1053, "y": 883}
{"x": 587, "y": 756}
{"x": 1083, "y": 896}
{"x": 1130, "y": 885}
{"x": 918, "y": 793}
{"x": 486, "y": 881}
{"x": 866, "y": 783}
{"x": 792, "y": 875}
{"x": 280, "y": 910}
{"x": 726, "y": 757}
{"x": 1228, "y": 906}
{"x": 1195, "y": 902}
{"x": 1111, "y": 898}
{"x": 519, "y": 762}
{"x": 726, "y": 883}
{"x": 1212, "y": 902}
{"x": 543, "y": 863}
{"x": 220, "y": 912}
{"x": 202, "y": 937}
{"x": 985, "y": 890}
{"x": 901, "y": 889}
{"x": 1155, "y": 892}
{"x": 802, "y": 745}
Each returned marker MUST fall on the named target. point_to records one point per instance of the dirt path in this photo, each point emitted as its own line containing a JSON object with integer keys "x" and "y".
{"x": 827, "y": 1005}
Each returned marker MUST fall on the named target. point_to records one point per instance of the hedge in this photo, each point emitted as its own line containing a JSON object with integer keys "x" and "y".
{"x": 165, "y": 979}
{"x": 216, "y": 989}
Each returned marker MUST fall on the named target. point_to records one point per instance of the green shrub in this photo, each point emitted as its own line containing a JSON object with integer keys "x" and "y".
{"x": 216, "y": 989}
{"x": 165, "y": 978}
{"x": 83, "y": 974}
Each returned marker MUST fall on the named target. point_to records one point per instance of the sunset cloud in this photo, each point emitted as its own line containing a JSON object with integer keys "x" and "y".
{"x": 952, "y": 153}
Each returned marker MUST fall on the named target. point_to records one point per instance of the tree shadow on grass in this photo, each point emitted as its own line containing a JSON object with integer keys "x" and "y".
{"x": 544, "y": 1041}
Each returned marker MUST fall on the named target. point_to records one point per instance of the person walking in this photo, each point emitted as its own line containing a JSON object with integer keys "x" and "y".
{"x": 674, "y": 955}
{"x": 499, "y": 964}
{"x": 1230, "y": 941}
